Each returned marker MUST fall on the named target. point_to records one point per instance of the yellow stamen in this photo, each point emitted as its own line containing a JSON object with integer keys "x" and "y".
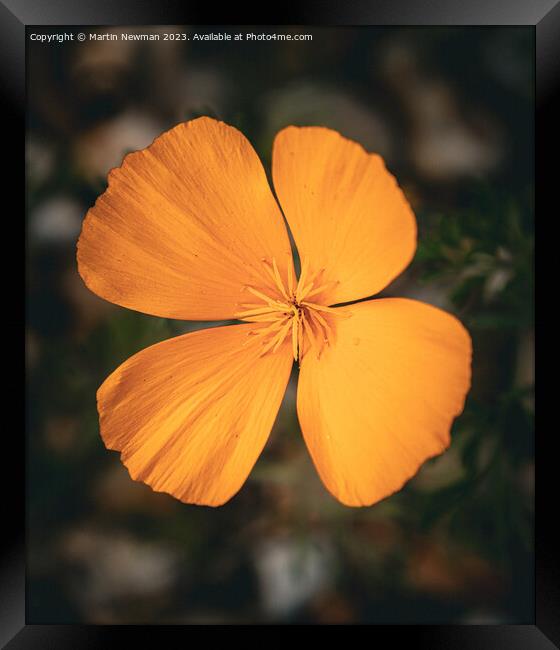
{"x": 309, "y": 330}
{"x": 329, "y": 310}
{"x": 277, "y": 340}
{"x": 255, "y": 312}
{"x": 267, "y": 330}
{"x": 320, "y": 289}
{"x": 295, "y": 332}
{"x": 290, "y": 278}
{"x": 308, "y": 322}
{"x": 269, "y": 301}
{"x": 316, "y": 315}
{"x": 276, "y": 277}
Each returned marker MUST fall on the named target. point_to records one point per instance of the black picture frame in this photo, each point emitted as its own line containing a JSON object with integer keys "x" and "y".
{"x": 543, "y": 16}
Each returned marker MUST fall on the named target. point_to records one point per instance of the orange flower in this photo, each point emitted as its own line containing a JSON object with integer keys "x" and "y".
{"x": 189, "y": 229}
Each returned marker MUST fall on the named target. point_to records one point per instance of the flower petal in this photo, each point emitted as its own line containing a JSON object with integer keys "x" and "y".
{"x": 345, "y": 210}
{"x": 192, "y": 414}
{"x": 381, "y": 399}
{"x": 184, "y": 225}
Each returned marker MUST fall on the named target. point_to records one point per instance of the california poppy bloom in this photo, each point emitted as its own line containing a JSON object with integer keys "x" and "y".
{"x": 189, "y": 229}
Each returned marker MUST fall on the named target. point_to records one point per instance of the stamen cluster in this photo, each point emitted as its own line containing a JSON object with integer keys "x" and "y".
{"x": 291, "y": 312}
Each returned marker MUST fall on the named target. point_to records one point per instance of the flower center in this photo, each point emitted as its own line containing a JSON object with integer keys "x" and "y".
{"x": 291, "y": 311}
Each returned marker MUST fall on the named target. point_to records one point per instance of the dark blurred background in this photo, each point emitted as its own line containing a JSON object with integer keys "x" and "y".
{"x": 451, "y": 111}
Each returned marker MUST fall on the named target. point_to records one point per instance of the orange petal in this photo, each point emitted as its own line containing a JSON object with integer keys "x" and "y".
{"x": 381, "y": 399}
{"x": 346, "y": 211}
{"x": 192, "y": 414}
{"x": 184, "y": 225}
